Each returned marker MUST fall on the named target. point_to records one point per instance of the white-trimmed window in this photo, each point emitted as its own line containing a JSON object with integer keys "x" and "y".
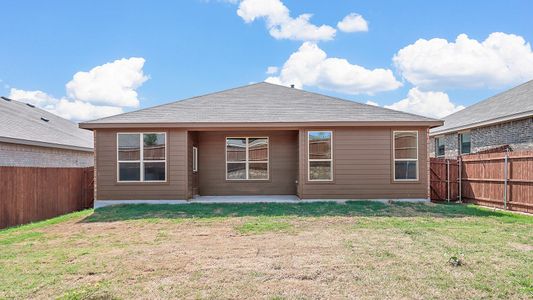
{"x": 405, "y": 144}
{"x": 141, "y": 157}
{"x": 247, "y": 158}
{"x": 194, "y": 159}
{"x": 320, "y": 155}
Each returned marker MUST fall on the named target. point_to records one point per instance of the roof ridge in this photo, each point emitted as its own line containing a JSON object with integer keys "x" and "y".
{"x": 352, "y": 101}
{"x": 174, "y": 102}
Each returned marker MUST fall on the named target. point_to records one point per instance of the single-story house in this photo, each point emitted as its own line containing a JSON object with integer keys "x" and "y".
{"x": 504, "y": 120}
{"x": 32, "y": 137}
{"x": 262, "y": 139}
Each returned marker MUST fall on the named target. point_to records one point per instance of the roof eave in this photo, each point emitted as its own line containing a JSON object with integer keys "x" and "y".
{"x": 428, "y": 123}
{"x": 44, "y": 144}
{"x": 514, "y": 117}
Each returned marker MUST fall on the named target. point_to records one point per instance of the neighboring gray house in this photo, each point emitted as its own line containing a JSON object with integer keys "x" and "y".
{"x": 502, "y": 120}
{"x": 32, "y": 137}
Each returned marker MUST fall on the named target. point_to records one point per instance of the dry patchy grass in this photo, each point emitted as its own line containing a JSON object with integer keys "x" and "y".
{"x": 282, "y": 252}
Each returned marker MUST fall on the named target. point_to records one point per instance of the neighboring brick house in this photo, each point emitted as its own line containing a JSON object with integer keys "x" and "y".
{"x": 501, "y": 120}
{"x": 32, "y": 137}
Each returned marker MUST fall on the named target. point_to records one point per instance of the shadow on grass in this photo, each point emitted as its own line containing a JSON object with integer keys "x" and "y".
{"x": 315, "y": 209}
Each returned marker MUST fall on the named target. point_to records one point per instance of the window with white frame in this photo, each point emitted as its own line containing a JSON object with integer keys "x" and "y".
{"x": 194, "y": 159}
{"x": 247, "y": 158}
{"x": 141, "y": 157}
{"x": 320, "y": 155}
{"x": 405, "y": 154}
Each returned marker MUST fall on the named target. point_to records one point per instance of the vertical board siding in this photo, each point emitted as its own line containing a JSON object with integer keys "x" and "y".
{"x": 29, "y": 194}
{"x": 444, "y": 175}
{"x": 362, "y": 166}
{"x": 283, "y": 164}
{"x": 483, "y": 180}
{"x": 106, "y": 176}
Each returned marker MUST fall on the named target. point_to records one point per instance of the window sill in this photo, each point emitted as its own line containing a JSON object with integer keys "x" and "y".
{"x": 406, "y": 181}
{"x": 141, "y": 182}
{"x": 247, "y": 180}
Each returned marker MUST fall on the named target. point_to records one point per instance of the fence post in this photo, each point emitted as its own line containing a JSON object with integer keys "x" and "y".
{"x": 448, "y": 179}
{"x": 505, "y": 167}
{"x": 460, "y": 171}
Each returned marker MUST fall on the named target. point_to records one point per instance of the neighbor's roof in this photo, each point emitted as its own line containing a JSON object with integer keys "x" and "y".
{"x": 516, "y": 103}
{"x": 262, "y": 103}
{"x": 21, "y": 123}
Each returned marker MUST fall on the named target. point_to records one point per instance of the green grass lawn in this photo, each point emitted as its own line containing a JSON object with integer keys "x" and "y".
{"x": 271, "y": 251}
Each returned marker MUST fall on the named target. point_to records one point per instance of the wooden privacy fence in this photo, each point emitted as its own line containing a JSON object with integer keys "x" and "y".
{"x": 444, "y": 183}
{"x": 503, "y": 180}
{"x": 30, "y": 194}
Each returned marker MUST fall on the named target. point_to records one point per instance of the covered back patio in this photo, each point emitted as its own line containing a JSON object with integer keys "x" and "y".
{"x": 239, "y": 163}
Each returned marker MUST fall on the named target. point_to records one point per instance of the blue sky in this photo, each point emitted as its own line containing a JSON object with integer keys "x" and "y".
{"x": 193, "y": 47}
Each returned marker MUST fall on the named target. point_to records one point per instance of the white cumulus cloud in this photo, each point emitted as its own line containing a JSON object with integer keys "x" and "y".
{"x": 103, "y": 91}
{"x": 75, "y": 110}
{"x": 272, "y": 70}
{"x": 429, "y": 104}
{"x": 370, "y": 102}
{"x": 78, "y": 110}
{"x": 279, "y": 22}
{"x": 113, "y": 83}
{"x": 37, "y": 98}
{"x": 310, "y": 66}
{"x": 353, "y": 23}
{"x": 499, "y": 60}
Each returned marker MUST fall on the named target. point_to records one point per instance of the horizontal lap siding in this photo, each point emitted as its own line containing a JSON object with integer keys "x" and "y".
{"x": 363, "y": 167}
{"x": 283, "y": 164}
{"x": 106, "y": 176}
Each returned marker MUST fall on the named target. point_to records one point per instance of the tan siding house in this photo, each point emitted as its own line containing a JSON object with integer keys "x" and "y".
{"x": 262, "y": 139}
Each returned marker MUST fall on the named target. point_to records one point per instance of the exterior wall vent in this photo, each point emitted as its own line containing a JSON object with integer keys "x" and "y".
{"x": 30, "y": 105}
{"x": 45, "y": 119}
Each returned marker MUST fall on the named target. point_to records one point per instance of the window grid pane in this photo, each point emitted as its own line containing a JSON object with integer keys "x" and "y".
{"x": 129, "y": 171}
{"x": 319, "y": 145}
{"x": 154, "y": 171}
{"x": 405, "y": 169}
{"x": 236, "y": 149}
{"x": 154, "y": 146}
{"x": 405, "y": 144}
{"x": 129, "y": 147}
{"x": 320, "y": 170}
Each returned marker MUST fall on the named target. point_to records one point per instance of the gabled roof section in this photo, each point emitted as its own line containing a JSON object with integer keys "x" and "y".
{"x": 516, "y": 103}
{"x": 260, "y": 103}
{"x": 22, "y": 123}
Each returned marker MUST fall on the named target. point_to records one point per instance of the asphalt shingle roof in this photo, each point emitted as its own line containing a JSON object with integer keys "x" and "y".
{"x": 516, "y": 102}
{"x": 261, "y": 102}
{"x": 20, "y": 122}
